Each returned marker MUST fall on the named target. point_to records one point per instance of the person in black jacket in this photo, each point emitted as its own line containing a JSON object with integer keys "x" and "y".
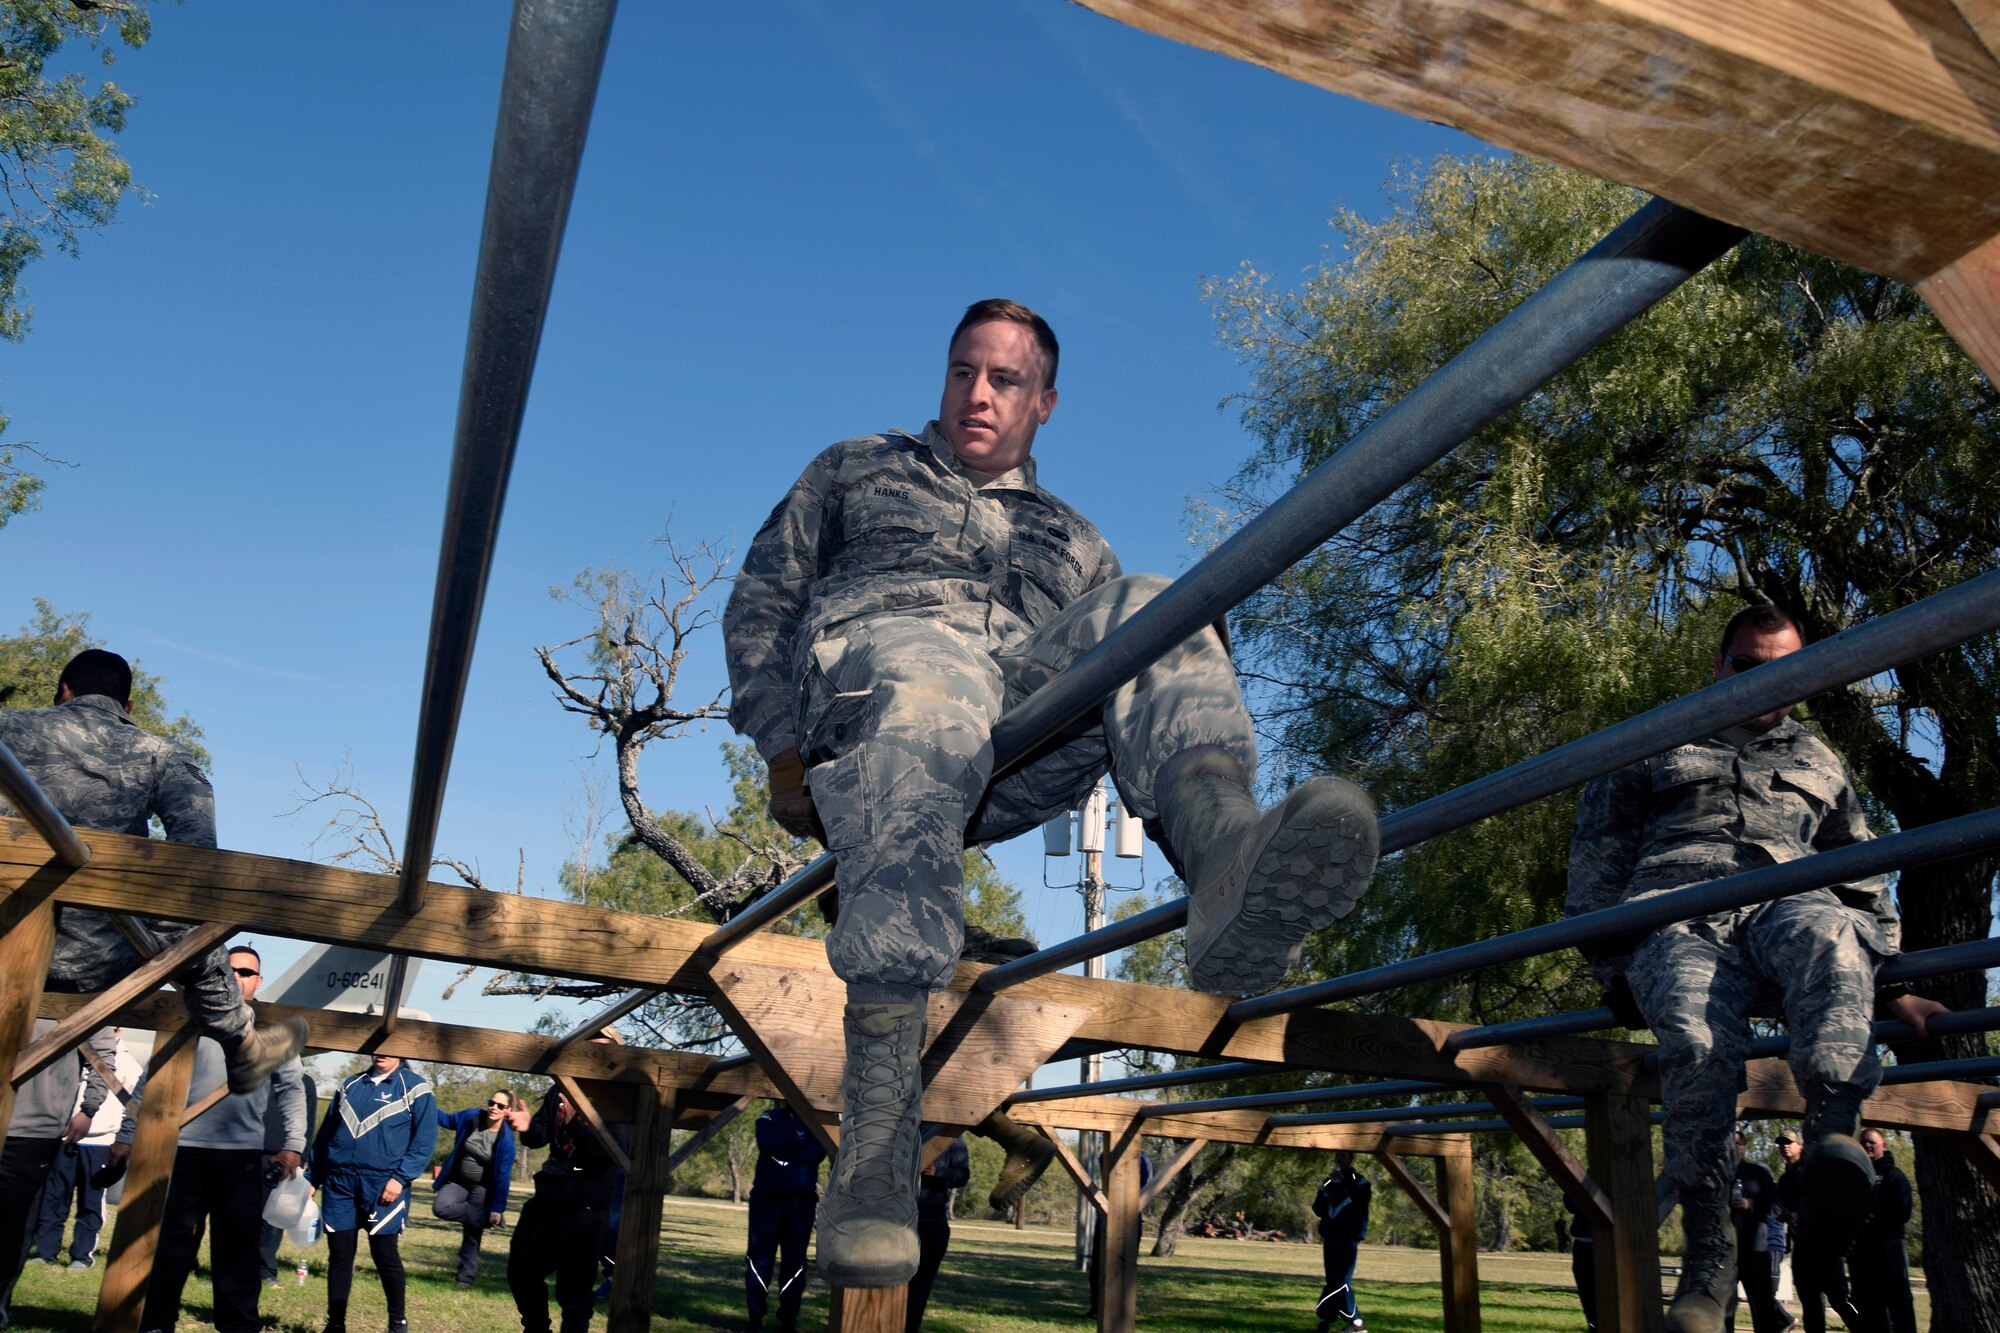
{"x": 783, "y": 1195}
{"x": 1342, "y": 1209}
{"x": 559, "y": 1230}
{"x": 1878, "y": 1263}
{"x": 949, "y": 1171}
{"x": 1753, "y": 1201}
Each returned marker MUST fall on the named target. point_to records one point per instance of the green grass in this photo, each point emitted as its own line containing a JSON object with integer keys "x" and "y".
{"x": 995, "y": 1278}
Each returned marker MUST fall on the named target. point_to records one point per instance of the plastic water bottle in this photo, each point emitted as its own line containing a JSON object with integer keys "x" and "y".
{"x": 302, "y": 1272}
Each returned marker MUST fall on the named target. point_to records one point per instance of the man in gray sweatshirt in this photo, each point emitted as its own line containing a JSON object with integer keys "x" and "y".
{"x": 219, "y": 1177}
{"x": 42, "y": 1124}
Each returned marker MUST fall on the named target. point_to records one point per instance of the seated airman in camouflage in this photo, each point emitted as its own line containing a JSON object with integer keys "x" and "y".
{"x": 1755, "y": 795}
{"x": 101, "y": 770}
{"x": 905, "y": 592}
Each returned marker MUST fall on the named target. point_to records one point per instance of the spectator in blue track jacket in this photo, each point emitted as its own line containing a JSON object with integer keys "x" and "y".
{"x": 472, "y": 1183}
{"x": 1342, "y": 1209}
{"x": 783, "y": 1196}
{"x": 378, "y": 1135}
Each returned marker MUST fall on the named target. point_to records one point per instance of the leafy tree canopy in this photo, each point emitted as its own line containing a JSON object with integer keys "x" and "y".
{"x": 32, "y": 659}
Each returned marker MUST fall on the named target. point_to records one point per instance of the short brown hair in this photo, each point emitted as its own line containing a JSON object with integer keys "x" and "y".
{"x": 1013, "y": 312}
{"x": 1762, "y": 616}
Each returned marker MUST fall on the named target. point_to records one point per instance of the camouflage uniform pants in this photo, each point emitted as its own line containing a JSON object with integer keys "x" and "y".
{"x": 91, "y": 953}
{"x": 896, "y": 729}
{"x": 1697, "y": 980}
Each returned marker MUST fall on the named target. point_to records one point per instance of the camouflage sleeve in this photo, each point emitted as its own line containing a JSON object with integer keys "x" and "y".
{"x": 184, "y": 801}
{"x": 1845, "y": 825}
{"x": 763, "y": 612}
{"x": 1603, "y": 849}
{"x": 1108, "y": 567}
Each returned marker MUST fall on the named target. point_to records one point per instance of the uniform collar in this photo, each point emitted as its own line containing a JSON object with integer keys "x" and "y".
{"x": 101, "y": 703}
{"x": 1021, "y": 478}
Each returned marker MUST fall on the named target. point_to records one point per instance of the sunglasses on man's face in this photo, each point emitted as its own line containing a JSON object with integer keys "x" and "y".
{"x": 246, "y": 971}
{"x": 1742, "y": 662}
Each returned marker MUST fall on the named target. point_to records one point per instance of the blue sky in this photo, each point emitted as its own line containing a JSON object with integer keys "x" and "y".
{"x": 780, "y": 215}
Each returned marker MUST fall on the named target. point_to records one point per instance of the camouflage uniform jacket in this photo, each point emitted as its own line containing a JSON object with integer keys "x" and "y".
{"x": 104, "y": 771}
{"x": 1715, "y": 808}
{"x": 891, "y": 523}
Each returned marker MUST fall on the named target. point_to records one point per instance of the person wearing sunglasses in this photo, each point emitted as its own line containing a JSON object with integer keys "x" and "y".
{"x": 1761, "y": 793}
{"x": 472, "y": 1184}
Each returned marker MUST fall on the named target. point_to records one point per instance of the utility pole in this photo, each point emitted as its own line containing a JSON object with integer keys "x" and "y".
{"x": 1091, "y": 1143}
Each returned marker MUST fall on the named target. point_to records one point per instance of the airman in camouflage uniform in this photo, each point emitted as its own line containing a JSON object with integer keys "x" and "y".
{"x": 101, "y": 770}
{"x": 1752, "y": 796}
{"x": 906, "y": 592}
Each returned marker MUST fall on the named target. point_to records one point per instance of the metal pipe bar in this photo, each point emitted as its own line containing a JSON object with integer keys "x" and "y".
{"x": 1171, "y": 1078}
{"x": 1532, "y": 1029}
{"x": 555, "y": 52}
{"x": 602, "y": 1019}
{"x": 1988, "y": 1101}
{"x": 33, "y": 804}
{"x": 1932, "y": 1071}
{"x": 1256, "y": 1101}
{"x": 807, "y": 884}
{"x": 1964, "y": 836}
{"x": 1617, "y": 280}
{"x": 1442, "y": 1112}
{"x": 1939, "y": 621}
{"x": 1971, "y": 956}
{"x": 1940, "y": 1025}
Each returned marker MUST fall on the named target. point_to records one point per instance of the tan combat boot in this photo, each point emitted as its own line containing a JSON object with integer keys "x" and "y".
{"x": 255, "y": 1058}
{"x": 868, "y": 1220}
{"x": 1028, "y": 1155}
{"x": 1708, "y": 1264}
{"x": 1259, "y": 883}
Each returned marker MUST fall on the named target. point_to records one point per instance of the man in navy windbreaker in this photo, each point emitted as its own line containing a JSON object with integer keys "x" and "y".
{"x": 1342, "y": 1209}
{"x": 377, "y": 1136}
{"x": 782, "y": 1199}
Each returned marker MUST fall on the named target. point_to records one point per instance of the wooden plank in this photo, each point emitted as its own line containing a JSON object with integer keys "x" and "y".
{"x": 1165, "y": 1175}
{"x": 107, "y": 1073}
{"x": 1084, "y": 1183}
{"x": 1865, "y": 130}
{"x": 1628, "y": 1252}
{"x": 1458, "y": 1248}
{"x": 637, "y": 1253}
{"x": 1548, "y": 1148}
{"x": 718, "y": 1122}
{"x": 1965, "y": 294}
{"x": 587, "y": 1108}
{"x": 1983, "y": 1151}
{"x": 1118, "y": 1284}
{"x": 136, "y": 1234}
{"x": 867, "y": 1309}
{"x": 147, "y": 977}
{"x": 28, "y": 921}
{"x": 1399, "y": 1172}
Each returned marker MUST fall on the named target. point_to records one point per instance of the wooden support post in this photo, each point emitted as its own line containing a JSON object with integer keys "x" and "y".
{"x": 121, "y": 1300}
{"x": 638, "y": 1246}
{"x": 1077, "y": 1173}
{"x": 1458, "y": 1248}
{"x": 148, "y": 976}
{"x": 1964, "y": 294}
{"x": 1118, "y": 1284}
{"x": 1165, "y": 1175}
{"x": 28, "y": 921}
{"x": 1628, "y": 1255}
{"x": 588, "y": 1110}
{"x": 867, "y": 1309}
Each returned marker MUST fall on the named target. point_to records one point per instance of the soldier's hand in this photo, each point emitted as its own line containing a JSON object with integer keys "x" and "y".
{"x": 1916, "y": 1010}
{"x": 791, "y": 803}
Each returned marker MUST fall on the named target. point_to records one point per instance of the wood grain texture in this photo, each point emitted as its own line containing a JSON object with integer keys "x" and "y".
{"x": 29, "y": 923}
{"x": 136, "y": 1234}
{"x": 1118, "y": 1283}
{"x": 1548, "y": 1148}
{"x": 636, "y": 1257}
{"x": 1620, "y": 1134}
{"x": 1165, "y": 1175}
{"x": 147, "y": 977}
{"x": 1458, "y": 1248}
{"x": 1865, "y": 130}
{"x": 867, "y": 1309}
{"x": 1074, "y": 1166}
{"x": 1965, "y": 295}
{"x": 1399, "y": 1171}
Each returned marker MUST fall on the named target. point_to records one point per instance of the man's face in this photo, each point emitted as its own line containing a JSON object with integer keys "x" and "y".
{"x": 249, "y": 975}
{"x": 384, "y": 1064}
{"x": 1873, "y": 1144}
{"x": 1343, "y": 1161}
{"x": 1792, "y": 1151}
{"x": 994, "y": 399}
{"x": 1739, "y": 1150}
{"x": 1750, "y": 648}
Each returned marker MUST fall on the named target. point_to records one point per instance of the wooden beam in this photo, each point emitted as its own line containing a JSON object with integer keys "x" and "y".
{"x": 1458, "y": 1249}
{"x": 149, "y": 976}
{"x": 637, "y": 1252}
{"x": 1865, "y": 130}
{"x": 107, "y": 1073}
{"x": 136, "y": 1234}
{"x": 1620, "y": 1136}
{"x": 198, "y": 1108}
{"x": 27, "y": 937}
{"x": 1965, "y": 294}
{"x": 1165, "y": 1175}
{"x": 585, "y": 1107}
{"x": 1400, "y": 1172}
{"x": 1541, "y": 1139}
{"x": 867, "y": 1309}
{"x": 718, "y": 1122}
{"x": 1118, "y": 1284}
{"x": 1983, "y": 1151}
{"x": 1084, "y": 1184}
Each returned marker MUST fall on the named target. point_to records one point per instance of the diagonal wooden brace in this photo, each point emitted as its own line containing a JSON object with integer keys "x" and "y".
{"x": 1165, "y": 1175}
{"x": 148, "y": 976}
{"x": 1401, "y": 1174}
{"x": 1084, "y": 1183}
{"x": 1541, "y": 1139}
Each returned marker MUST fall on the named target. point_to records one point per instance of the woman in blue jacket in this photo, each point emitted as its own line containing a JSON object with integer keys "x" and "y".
{"x": 378, "y": 1135}
{"x": 472, "y": 1183}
